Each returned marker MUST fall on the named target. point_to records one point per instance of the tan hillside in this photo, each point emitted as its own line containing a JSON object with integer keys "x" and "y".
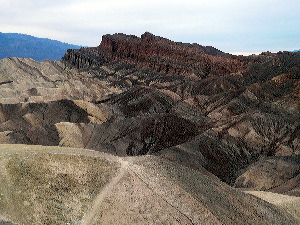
{"x": 53, "y": 185}
{"x": 289, "y": 203}
{"x": 177, "y": 131}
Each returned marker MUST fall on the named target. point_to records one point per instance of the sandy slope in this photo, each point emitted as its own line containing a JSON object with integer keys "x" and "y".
{"x": 289, "y": 203}
{"x": 53, "y": 185}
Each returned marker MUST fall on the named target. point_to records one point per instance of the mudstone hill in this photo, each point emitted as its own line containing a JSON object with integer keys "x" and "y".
{"x": 144, "y": 130}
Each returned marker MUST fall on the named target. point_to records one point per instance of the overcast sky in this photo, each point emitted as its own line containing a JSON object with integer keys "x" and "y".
{"x": 229, "y": 25}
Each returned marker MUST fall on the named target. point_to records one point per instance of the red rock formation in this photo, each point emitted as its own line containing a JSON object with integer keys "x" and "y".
{"x": 159, "y": 54}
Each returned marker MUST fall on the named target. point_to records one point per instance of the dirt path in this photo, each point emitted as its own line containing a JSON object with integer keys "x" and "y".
{"x": 88, "y": 218}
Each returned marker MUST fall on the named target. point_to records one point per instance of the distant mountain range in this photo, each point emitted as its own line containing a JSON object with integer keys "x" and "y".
{"x": 297, "y": 50}
{"x": 26, "y": 46}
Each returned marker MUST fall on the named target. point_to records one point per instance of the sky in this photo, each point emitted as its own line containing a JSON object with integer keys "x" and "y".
{"x": 235, "y": 26}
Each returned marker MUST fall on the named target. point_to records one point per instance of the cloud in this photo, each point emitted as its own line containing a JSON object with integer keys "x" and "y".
{"x": 232, "y": 25}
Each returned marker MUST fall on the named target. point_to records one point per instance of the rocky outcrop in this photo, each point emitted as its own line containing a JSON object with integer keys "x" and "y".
{"x": 158, "y": 54}
{"x": 266, "y": 66}
{"x": 190, "y": 60}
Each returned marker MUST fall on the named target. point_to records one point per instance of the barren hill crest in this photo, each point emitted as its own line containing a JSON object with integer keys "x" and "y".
{"x": 144, "y": 130}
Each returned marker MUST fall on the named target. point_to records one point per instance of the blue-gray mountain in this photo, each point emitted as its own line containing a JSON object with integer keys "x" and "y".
{"x": 26, "y": 46}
